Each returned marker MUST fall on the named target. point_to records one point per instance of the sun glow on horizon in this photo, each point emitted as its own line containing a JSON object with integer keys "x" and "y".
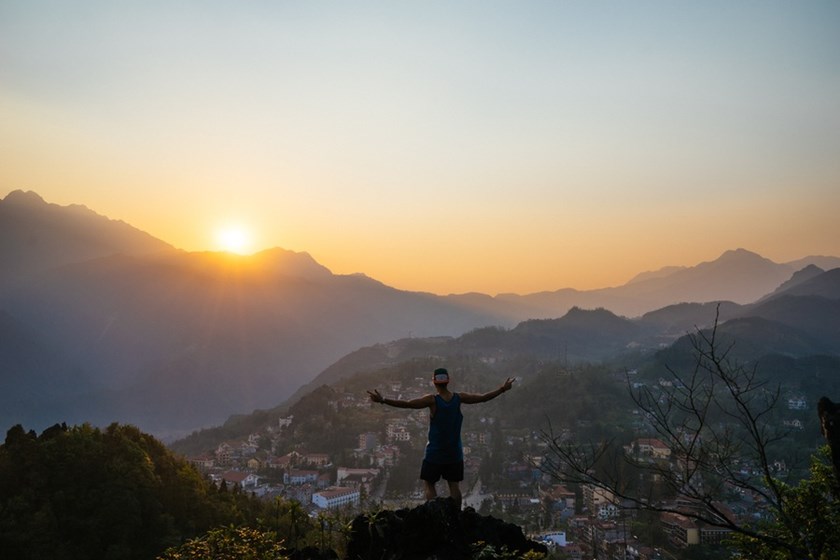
{"x": 234, "y": 238}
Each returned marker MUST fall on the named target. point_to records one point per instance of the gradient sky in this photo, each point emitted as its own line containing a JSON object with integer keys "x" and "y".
{"x": 437, "y": 146}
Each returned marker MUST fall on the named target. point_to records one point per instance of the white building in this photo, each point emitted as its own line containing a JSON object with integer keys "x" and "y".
{"x": 238, "y": 478}
{"x": 335, "y": 497}
{"x": 396, "y": 431}
{"x": 557, "y": 538}
{"x": 297, "y": 477}
{"x": 402, "y": 435}
{"x": 600, "y": 502}
{"x": 344, "y": 472}
{"x": 797, "y": 403}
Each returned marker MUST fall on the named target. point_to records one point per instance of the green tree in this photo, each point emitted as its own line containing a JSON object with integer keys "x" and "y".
{"x": 84, "y": 493}
{"x": 813, "y": 516}
{"x": 229, "y": 543}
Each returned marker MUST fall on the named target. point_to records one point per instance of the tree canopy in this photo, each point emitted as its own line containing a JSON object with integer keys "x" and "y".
{"x": 84, "y": 493}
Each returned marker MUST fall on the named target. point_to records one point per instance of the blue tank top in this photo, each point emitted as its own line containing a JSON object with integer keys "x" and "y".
{"x": 444, "y": 445}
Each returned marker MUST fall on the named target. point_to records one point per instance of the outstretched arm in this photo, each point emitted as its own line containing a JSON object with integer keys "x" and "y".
{"x": 421, "y": 402}
{"x": 470, "y": 398}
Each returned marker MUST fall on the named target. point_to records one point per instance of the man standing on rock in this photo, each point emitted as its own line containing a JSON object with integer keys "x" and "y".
{"x": 444, "y": 451}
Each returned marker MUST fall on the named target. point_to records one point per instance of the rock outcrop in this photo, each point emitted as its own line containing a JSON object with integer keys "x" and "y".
{"x": 434, "y": 530}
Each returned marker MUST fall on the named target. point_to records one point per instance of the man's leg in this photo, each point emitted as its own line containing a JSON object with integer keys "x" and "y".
{"x": 455, "y": 493}
{"x": 429, "y": 474}
{"x": 431, "y": 493}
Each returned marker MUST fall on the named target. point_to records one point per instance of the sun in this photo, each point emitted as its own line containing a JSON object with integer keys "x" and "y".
{"x": 234, "y": 239}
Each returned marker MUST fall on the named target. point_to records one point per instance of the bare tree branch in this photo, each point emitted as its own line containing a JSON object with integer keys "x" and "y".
{"x": 717, "y": 420}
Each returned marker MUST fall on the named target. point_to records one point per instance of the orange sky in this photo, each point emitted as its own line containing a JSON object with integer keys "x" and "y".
{"x": 438, "y": 147}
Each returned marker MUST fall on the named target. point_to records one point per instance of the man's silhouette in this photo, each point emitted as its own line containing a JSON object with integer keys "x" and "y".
{"x": 444, "y": 456}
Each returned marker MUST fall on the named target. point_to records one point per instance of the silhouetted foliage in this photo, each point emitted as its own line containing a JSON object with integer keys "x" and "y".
{"x": 81, "y": 492}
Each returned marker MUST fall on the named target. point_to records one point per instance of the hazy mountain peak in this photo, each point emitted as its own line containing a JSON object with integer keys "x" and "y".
{"x": 293, "y": 263}
{"x": 822, "y": 261}
{"x": 36, "y": 236}
{"x": 811, "y": 282}
{"x": 799, "y": 277}
{"x": 740, "y": 254}
{"x": 24, "y": 198}
{"x": 729, "y": 259}
{"x": 810, "y": 271}
{"x": 578, "y": 312}
{"x": 742, "y": 262}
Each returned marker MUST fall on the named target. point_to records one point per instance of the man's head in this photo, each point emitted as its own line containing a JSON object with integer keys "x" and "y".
{"x": 440, "y": 376}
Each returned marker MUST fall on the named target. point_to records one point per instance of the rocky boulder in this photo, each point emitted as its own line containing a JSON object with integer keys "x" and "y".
{"x": 434, "y": 530}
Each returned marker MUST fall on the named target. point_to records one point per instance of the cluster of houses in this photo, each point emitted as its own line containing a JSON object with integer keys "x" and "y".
{"x": 309, "y": 478}
{"x": 595, "y": 523}
{"x": 601, "y": 528}
{"x": 604, "y": 531}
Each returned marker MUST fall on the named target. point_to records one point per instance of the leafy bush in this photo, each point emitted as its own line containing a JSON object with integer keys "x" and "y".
{"x": 229, "y": 543}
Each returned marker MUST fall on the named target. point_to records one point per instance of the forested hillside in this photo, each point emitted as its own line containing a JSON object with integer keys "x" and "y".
{"x": 83, "y": 493}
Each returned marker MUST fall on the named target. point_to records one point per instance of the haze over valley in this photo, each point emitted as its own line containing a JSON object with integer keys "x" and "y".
{"x": 102, "y": 322}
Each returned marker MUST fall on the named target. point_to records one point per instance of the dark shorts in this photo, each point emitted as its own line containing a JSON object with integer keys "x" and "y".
{"x": 451, "y": 472}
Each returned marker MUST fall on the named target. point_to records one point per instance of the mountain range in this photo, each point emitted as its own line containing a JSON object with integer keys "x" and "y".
{"x": 102, "y": 322}
{"x": 800, "y": 321}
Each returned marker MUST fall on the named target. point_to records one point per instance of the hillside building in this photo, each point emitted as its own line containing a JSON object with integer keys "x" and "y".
{"x": 336, "y": 497}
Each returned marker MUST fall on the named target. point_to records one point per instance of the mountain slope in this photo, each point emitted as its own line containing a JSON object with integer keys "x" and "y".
{"x": 793, "y": 326}
{"x": 825, "y": 284}
{"x": 37, "y": 236}
{"x": 799, "y": 277}
{"x": 810, "y": 302}
{"x": 551, "y": 349}
{"x": 579, "y": 336}
{"x": 688, "y": 317}
{"x": 183, "y": 340}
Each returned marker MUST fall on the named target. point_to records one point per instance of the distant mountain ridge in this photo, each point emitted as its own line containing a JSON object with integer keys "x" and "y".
{"x": 799, "y": 321}
{"x": 101, "y": 322}
{"x": 787, "y": 336}
{"x": 739, "y": 276}
{"x": 36, "y": 236}
{"x": 799, "y": 277}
